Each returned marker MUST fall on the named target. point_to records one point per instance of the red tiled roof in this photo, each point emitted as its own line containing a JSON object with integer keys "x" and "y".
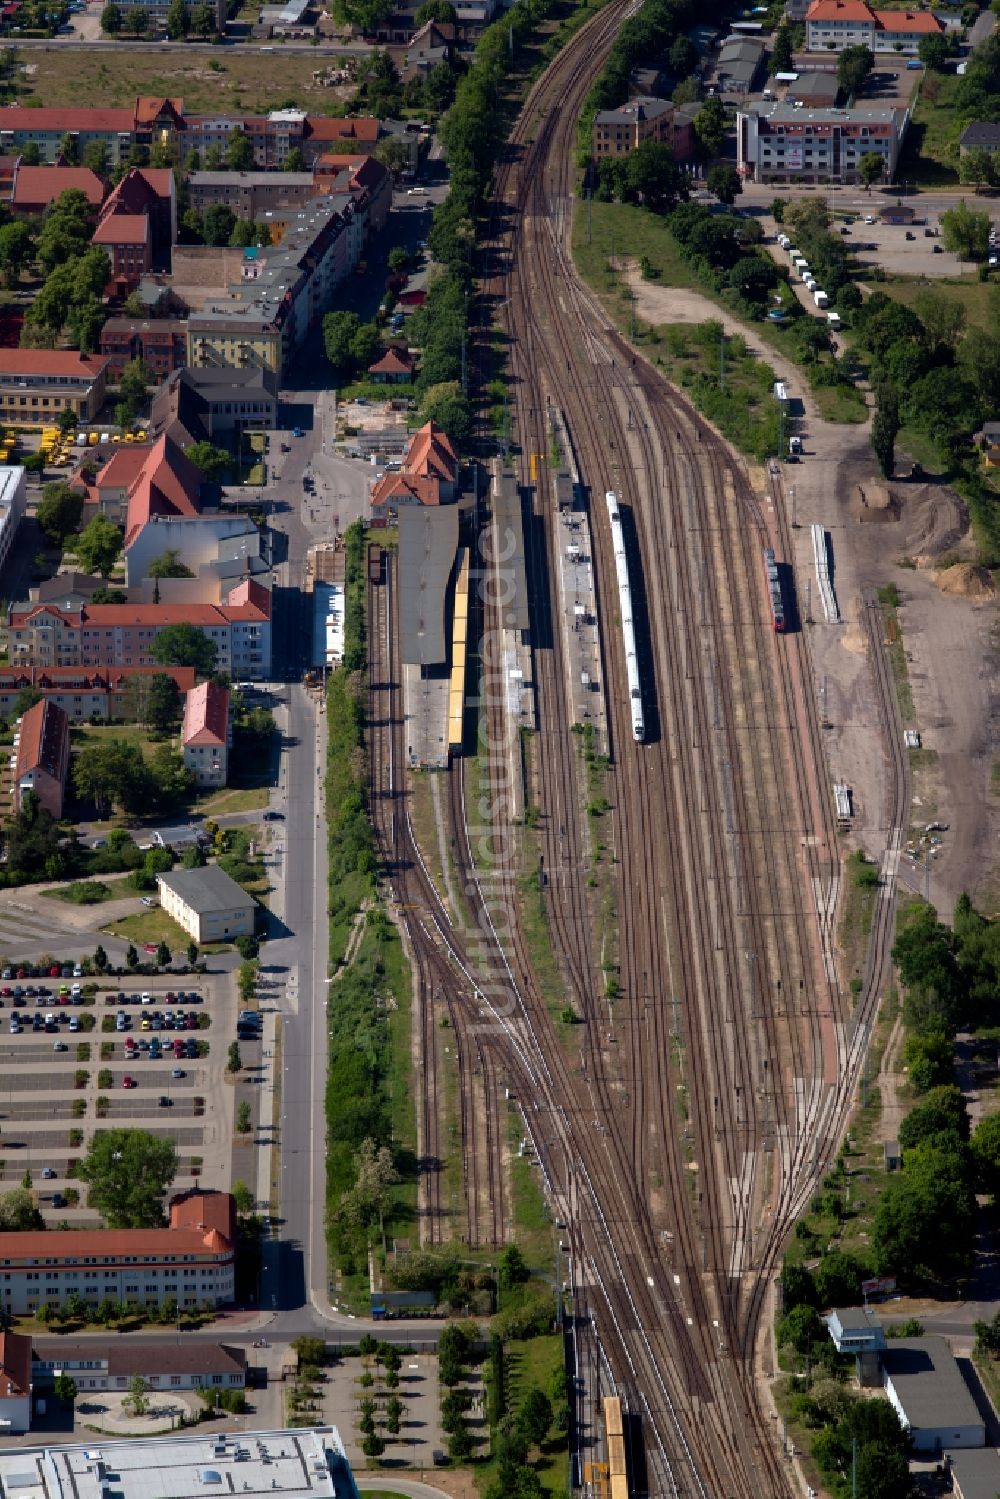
{"x": 323, "y": 128}
{"x": 406, "y": 487}
{"x": 15, "y": 117}
{"x": 121, "y": 229}
{"x": 98, "y": 679}
{"x": 122, "y": 468}
{"x": 15, "y": 1365}
{"x": 167, "y": 484}
{"x": 211, "y": 1211}
{"x": 432, "y": 454}
{"x": 393, "y": 362}
{"x": 838, "y": 10}
{"x": 159, "y": 179}
{"x": 50, "y": 361}
{"x": 206, "y": 715}
{"x": 250, "y": 594}
{"x": 148, "y": 106}
{"x": 44, "y": 730}
{"x": 907, "y": 21}
{"x": 71, "y": 1245}
{"x": 143, "y": 615}
{"x": 33, "y": 185}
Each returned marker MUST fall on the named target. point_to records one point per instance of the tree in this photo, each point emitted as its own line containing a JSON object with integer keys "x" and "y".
{"x": 217, "y": 224}
{"x": 239, "y": 152}
{"x": 782, "y": 54}
{"x": 137, "y": 20}
{"x": 136, "y": 1402}
{"x": 245, "y": 1201}
{"x": 871, "y": 168}
{"x": 435, "y": 10}
{"x": 16, "y": 250}
{"x": 373, "y": 1446}
{"x": 234, "y": 1062}
{"x": 801, "y": 1328}
{"x": 934, "y": 50}
{"x": 64, "y": 1388}
{"x": 885, "y": 425}
{"x": 882, "y": 1472}
{"x": 512, "y": 1268}
{"x": 535, "y": 1417}
{"x": 27, "y": 698}
{"x": 929, "y": 1059}
{"x": 724, "y": 181}
{"x": 192, "y": 952}
{"x": 129, "y": 1172}
{"x": 682, "y": 57}
{"x": 368, "y": 1200}
{"x": 838, "y": 1279}
{"x": 19, "y": 1211}
{"x": 445, "y": 405}
{"x": 95, "y": 156}
{"x": 154, "y": 701}
{"x": 212, "y": 461}
{"x": 294, "y": 161}
{"x": 984, "y": 1148}
{"x": 650, "y": 175}
{"x": 100, "y": 958}
{"x": 111, "y": 19}
{"x": 111, "y": 772}
{"x": 710, "y": 126}
{"x": 944, "y": 323}
{"x": 244, "y": 1120}
{"x": 365, "y": 345}
{"x": 924, "y": 1219}
{"x": 965, "y": 232}
{"x": 162, "y": 955}
{"x": 133, "y": 387}
{"x": 977, "y": 167}
{"x": 203, "y": 20}
{"x": 339, "y": 329}
{"x": 177, "y": 20}
{"x": 99, "y": 546}
{"x": 170, "y": 780}
{"x": 59, "y": 511}
{"x": 185, "y": 645}
{"x": 854, "y": 65}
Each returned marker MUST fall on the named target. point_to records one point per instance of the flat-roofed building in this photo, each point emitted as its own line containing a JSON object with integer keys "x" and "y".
{"x": 41, "y": 758}
{"x": 930, "y": 1397}
{"x": 428, "y": 541}
{"x": 975, "y": 1473}
{"x": 779, "y": 143}
{"x": 13, "y": 499}
{"x": 207, "y": 903}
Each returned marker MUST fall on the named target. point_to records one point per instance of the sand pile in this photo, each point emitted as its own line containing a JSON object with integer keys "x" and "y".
{"x": 936, "y": 521}
{"x": 874, "y": 502}
{"x": 967, "y": 582}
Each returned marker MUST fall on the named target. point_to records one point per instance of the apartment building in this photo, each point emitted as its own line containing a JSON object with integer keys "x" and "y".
{"x": 285, "y": 289}
{"x": 832, "y": 25}
{"x": 206, "y": 733}
{"x": 618, "y": 131}
{"x": 85, "y": 694}
{"x": 160, "y": 342}
{"x": 780, "y": 143}
{"x": 192, "y": 1261}
{"x": 251, "y": 195}
{"x": 36, "y": 384}
{"x": 114, "y": 635}
{"x": 41, "y": 757}
{"x": 149, "y": 122}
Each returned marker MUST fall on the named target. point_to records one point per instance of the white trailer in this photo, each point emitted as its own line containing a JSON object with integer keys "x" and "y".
{"x": 820, "y": 298}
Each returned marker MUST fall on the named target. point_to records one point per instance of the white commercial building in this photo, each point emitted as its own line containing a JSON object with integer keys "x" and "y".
{"x": 13, "y": 497}
{"x": 305, "y": 1464}
{"x": 930, "y": 1397}
{"x": 780, "y": 143}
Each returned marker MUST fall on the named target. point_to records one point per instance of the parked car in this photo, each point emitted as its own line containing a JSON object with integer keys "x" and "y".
{"x": 128, "y": 1081}
{"x": 48, "y": 1174}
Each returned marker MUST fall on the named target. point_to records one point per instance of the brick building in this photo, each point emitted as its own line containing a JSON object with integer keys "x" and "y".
{"x": 618, "y": 131}
{"x": 161, "y": 342}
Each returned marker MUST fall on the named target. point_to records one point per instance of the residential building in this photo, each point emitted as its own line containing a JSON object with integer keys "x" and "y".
{"x": 34, "y": 189}
{"x": 740, "y": 64}
{"x": 207, "y": 903}
{"x": 191, "y": 1261}
{"x": 94, "y": 1366}
{"x": 156, "y": 14}
{"x": 832, "y": 25}
{"x": 113, "y": 635}
{"x": 394, "y": 367}
{"x": 127, "y": 238}
{"x": 13, "y": 499}
{"x": 429, "y": 474}
{"x": 15, "y": 1383}
{"x": 338, "y": 172}
{"x": 160, "y": 342}
{"x": 206, "y": 733}
{"x": 303, "y": 1464}
{"x": 37, "y": 384}
{"x": 618, "y": 131}
{"x": 779, "y": 143}
{"x": 149, "y": 122}
{"x": 980, "y": 135}
{"x": 215, "y": 403}
{"x": 137, "y": 226}
{"x": 930, "y": 1397}
{"x": 41, "y": 757}
{"x": 251, "y": 195}
{"x": 85, "y": 694}
{"x": 284, "y": 291}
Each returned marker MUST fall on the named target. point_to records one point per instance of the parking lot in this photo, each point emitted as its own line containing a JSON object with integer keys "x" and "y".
{"x": 922, "y": 255}
{"x": 130, "y": 1052}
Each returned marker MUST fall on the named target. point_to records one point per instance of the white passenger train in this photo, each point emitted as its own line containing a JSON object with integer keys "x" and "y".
{"x": 628, "y": 625}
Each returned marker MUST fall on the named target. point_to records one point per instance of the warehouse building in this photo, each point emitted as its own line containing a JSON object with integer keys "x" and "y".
{"x": 207, "y": 903}
{"x": 930, "y": 1397}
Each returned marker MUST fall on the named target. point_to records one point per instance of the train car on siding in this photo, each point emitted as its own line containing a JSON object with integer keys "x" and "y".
{"x": 628, "y": 624}
{"x": 614, "y": 1436}
{"x": 774, "y": 590}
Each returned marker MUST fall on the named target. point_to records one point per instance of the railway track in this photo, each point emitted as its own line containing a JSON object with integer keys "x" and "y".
{"x": 438, "y": 985}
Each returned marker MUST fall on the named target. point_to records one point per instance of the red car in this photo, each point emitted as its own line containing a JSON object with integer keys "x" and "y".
{"x": 54, "y": 971}
{"x": 128, "y": 1081}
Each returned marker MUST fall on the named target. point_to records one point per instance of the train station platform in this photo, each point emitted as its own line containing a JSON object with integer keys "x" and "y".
{"x": 425, "y": 714}
{"x": 506, "y": 541}
{"x": 577, "y": 607}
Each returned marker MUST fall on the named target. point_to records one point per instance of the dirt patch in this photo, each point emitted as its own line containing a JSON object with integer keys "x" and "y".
{"x": 967, "y": 582}
{"x": 936, "y": 521}
{"x": 872, "y": 501}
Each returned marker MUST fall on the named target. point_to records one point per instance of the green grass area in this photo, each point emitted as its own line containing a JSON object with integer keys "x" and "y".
{"x": 857, "y": 910}
{"x": 131, "y": 733}
{"x": 111, "y": 888}
{"x": 969, "y": 291}
{"x": 530, "y": 1215}
{"x": 532, "y": 1364}
{"x": 247, "y": 79}
{"x": 930, "y": 152}
{"x": 232, "y": 799}
{"x": 609, "y": 232}
{"x": 149, "y": 926}
{"x": 536, "y": 929}
{"x": 735, "y": 392}
{"x": 400, "y": 1079}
